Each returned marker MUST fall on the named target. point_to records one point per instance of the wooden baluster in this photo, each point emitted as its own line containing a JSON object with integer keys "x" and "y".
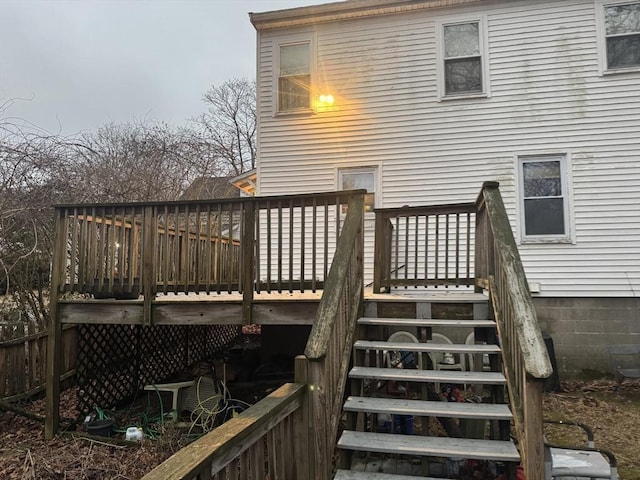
{"x": 291, "y": 233}
{"x": 302, "y": 242}
{"x": 269, "y": 241}
{"x": 219, "y": 247}
{"x": 314, "y": 249}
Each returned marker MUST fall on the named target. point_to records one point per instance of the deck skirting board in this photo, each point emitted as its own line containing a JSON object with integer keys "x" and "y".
{"x": 130, "y": 312}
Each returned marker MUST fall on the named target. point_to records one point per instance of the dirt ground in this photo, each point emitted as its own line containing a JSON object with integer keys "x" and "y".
{"x": 25, "y": 455}
{"x": 613, "y": 412}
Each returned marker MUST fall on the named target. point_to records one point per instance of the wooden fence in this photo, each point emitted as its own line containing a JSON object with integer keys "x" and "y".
{"x": 525, "y": 358}
{"x": 23, "y": 360}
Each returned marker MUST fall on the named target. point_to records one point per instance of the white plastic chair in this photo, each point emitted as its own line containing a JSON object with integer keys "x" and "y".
{"x": 404, "y": 337}
{"x": 437, "y": 358}
{"x": 471, "y": 340}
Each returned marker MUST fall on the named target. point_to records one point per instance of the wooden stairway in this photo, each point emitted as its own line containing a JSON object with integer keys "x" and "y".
{"x": 370, "y": 449}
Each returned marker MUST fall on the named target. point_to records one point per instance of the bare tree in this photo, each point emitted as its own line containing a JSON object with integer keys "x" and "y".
{"x": 226, "y": 132}
{"x": 27, "y": 158}
{"x": 116, "y": 163}
{"x": 130, "y": 162}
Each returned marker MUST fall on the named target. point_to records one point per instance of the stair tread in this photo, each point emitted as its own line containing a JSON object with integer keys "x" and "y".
{"x": 351, "y": 475}
{"x": 427, "y": 347}
{"x": 440, "y": 376}
{"x": 424, "y": 408}
{"x": 400, "y": 294}
{"x": 429, "y": 446}
{"x": 425, "y": 322}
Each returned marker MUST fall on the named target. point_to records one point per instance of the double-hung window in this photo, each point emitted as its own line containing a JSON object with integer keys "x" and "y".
{"x": 294, "y": 77}
{"x": 544, "y": 198}
{"x": 622, "y": 34}
{"x": 463, "y": 59}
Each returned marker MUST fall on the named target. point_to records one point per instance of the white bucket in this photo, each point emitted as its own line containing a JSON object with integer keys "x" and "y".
{"x": 134, "y": 434}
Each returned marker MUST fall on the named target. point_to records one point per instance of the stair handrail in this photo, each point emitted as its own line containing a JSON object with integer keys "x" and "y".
{"x": 326, "y": 362}
{"x": 525, "y": 358}
{"x": 265, "y": 438}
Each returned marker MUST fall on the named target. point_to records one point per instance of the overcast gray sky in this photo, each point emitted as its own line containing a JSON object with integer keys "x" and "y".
{"x": 72, "y": 65}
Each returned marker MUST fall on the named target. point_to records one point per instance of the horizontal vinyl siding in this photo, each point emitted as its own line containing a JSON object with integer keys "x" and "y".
{"x": 546, "y": 96}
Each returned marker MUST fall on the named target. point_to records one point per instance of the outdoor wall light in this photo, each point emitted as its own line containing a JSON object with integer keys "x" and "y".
{"x": 326, "y": 100}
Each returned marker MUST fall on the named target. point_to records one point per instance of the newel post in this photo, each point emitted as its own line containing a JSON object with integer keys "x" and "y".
{"x": 247, "y": 261}
{"x": 322, "y": 452}
{"x": 484, "y": 254}
{"x": 378, "y": 248}
{"x": 381, "y": 253}
{"x": 149, "y": 234}
{"x": 533, "y": 435}
{"x": 305, "y": 452}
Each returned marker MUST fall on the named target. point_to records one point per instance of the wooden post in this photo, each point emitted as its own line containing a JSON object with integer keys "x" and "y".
{"x": 149, "y": 233}
{"x": 322, "y": 456}
{"x": 380, "y": 252}
{"x": 247, "y": 260}
{"x": 533, "y": 449}
{"x": 54, "y": 355}
{"x": 305, "y": 453}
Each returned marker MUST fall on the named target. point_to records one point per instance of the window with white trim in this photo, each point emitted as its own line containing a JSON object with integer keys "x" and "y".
{"x": 622, "y": 35}
{"x": 544, "y": 203}
{"x": 463, "y": 59}
{"x": 356, "y": 178}
{"x": 294, "y": 77}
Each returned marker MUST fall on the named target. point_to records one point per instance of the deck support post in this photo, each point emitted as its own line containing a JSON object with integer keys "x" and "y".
{"x": 54, "y": 338}
{"x": 54, "y": 369}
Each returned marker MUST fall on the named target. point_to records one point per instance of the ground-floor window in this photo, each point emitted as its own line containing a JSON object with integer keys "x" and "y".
{"x": 544, "y": 202}
{"x": 355, "y": 178}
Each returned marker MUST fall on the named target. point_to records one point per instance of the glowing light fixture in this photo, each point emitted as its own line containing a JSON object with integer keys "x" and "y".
{"x": 326, "y": 100}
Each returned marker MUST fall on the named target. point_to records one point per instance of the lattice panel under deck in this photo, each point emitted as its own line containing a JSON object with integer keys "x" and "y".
{"x": 115, "y": 361}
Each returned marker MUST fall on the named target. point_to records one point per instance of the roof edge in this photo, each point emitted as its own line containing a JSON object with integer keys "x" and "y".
{"x": 344, "y": 10}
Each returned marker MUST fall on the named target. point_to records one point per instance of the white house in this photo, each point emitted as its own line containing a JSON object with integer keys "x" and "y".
{"x": 420, "y": 101}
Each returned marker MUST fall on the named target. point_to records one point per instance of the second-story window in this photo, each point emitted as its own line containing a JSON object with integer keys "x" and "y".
{"x": 463, "y": 58}
{"x": 294, "y": 77}
{"x": 622, "y": 31}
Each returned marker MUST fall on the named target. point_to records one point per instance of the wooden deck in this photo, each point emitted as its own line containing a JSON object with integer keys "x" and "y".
{"x": 266, "y": 261}
{"x": 284, "y": 308}
{"x": 195, "y": 309}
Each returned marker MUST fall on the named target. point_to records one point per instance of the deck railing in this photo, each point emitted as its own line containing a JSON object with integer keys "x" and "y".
{"x": 240, "y": 245}
{"x": 525, "y": 358}
{"x": 291, "y": 434}
{"x": 424, "y": 246}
